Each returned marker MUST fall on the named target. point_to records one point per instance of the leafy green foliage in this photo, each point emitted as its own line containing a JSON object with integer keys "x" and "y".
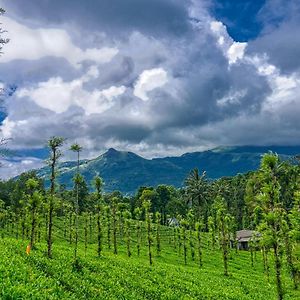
{"x": 205, "y": 216}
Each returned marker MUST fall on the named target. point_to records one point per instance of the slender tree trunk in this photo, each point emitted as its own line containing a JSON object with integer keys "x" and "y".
{"x": 278, "y": 272}
{"x": 65, "y": 226}
{"x": 114, "y": 230}
{"x": 267, "y": 263}
{"x": 174, "y": 238}
{"x": 23, "y": 224}
{"x": 99, "y": 234}
{"x": 85, "y": 234}
{"x": 17, "y": 228}
{"x": 251, "y": 255}
{"x": 149, "y": 237}
{"x": 76, "y": 210}
{"x": 50, "y": 225}
{"x": 33, "y": 225}
{"x": 179, "y": 240}
{"x": 138, "y": 237}
{"x": 91, "y": 226}
{"x": 108, "y": 227}
{"x": 184, "y": 245}
{"x": 121, "y": 226}
{"x": 158, "y": 246}
{"x": 289, "y": 258}
{"x": 13, "y": 226}
{"x": 225, "y": 260}
{"x": 70, "y": 227}
{"x": 128, "y": 237}
{"x": 149, "y": 242}
{"x": 46, "y": 226}
{"x": 263, "y": 251}
{"x": 224, "y": 248}
{"x": 39, "y": 230}
{"x": 199, "y": 246}
{"x": 51, "y": 205}
{"x": 191, "y": 242}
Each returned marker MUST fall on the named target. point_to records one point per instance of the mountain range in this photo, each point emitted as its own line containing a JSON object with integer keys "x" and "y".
{"x": 127, "y": 171}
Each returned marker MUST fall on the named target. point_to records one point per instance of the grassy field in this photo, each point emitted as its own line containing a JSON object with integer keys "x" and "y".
{"x": 112, "y": 276}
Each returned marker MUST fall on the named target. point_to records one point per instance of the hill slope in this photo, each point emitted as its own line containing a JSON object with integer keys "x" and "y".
{"x": 119, "y": 277}
{"x": 126, "y": 171}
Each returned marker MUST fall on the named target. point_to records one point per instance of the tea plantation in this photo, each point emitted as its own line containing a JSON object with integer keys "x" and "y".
{"x": 111, "y": 276}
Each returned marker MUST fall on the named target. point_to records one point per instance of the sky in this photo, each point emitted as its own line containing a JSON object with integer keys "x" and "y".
{"x": 159, "y": 77}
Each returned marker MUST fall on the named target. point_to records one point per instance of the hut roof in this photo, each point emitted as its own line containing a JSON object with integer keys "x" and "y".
{"x": 246, "y": 235}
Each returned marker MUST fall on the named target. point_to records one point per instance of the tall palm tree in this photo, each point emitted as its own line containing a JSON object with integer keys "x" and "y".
{"x": 197, "y": 192}
{"x": 76, "y": 148}
{"x": 54, "y": 144}
{"x": 98, "y": 185}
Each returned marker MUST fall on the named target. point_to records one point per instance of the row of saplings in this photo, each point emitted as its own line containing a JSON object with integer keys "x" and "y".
{"x": 114, "y": 223}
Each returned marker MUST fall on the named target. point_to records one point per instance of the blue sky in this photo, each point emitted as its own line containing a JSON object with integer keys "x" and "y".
{"x": 241, "y": 17}
{"x": 160, "y": 77}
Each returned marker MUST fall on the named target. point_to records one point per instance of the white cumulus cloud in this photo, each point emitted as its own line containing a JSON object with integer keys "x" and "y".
{"x": 234, "y": 51}
{"x": 58, "y": 95}
{"x": 33, "y": 44}
{"x": 148, "y": 81}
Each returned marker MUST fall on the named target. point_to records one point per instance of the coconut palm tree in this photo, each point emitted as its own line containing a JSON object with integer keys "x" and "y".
{"x": 197, "y": 192}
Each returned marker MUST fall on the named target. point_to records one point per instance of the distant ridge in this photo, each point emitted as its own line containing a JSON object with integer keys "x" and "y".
{"x": 127, "y": 171}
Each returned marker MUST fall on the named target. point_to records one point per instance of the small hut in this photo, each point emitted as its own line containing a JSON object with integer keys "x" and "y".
{"x": 243, "y": 238}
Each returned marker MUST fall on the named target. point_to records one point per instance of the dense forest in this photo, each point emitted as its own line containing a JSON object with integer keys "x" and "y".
{"x": 266, "y": 201}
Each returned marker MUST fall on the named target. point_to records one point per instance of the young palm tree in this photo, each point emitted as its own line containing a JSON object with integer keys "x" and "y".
{"x": 98, "y": 185}
{"x": 127, "y": 217}
{"x": 183, "y": 226}
{"x": 158, "y": 244}
{"x": 138, "y": 216}
{"x": 223, "y": 224}
{"x": 54, "y": 145}
{"x": 198, "y": 228}
{"x": 76, "y": 148}
{"x": 148, "y": 217}
{"x": 114, "y": 212}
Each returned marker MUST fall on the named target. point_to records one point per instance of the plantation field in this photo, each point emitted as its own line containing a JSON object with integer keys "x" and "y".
{"x": 118, "y": 276}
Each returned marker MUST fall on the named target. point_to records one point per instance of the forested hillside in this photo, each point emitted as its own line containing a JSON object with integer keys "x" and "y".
{"x": 126, "y": 171}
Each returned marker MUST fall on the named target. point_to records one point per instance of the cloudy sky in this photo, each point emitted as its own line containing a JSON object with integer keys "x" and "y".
{"x": 159, "y": 77}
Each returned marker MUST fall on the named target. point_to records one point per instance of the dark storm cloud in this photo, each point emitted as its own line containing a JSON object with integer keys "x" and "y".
{"x": 281, "y": 45}
{"x": 30, "y": 72}
{"x": 211, "y": 92}
{"x": 280, "y": 39}
{"x": 117, "y": 16}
